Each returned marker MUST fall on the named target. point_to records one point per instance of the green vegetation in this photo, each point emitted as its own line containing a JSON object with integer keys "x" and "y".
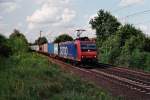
{"x": 18, "y": 42}
{"x": 105, "y": 25}
{"x": 121, "y": 45}
{"x": 30, "y": 76}
{"x": 5, "y": 49}
{"x": 63, "y": 38}
{"x": 41, "y": 40}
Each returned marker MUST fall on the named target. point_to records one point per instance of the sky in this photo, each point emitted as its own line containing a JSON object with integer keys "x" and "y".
{"x": 55, "y": 17}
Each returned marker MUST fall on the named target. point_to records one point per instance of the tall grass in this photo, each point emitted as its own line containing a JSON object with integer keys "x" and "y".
{"x": 30, "y": 76}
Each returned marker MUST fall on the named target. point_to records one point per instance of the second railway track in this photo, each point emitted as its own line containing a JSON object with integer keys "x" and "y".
{"x": 129, "y": 75}
{"x": 132, "y": 84}
{"x": 130, "y": 80}
{"x": 139, "y": 77}
{"x": 131, "y": 87}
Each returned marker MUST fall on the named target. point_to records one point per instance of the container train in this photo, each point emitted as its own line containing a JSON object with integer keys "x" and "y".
{"x": 77, "y": 51}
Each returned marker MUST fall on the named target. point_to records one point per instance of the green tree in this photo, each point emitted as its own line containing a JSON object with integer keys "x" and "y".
{"x": 133, "y": 46}
{"x": 41, "y": 40}
{"x": 130, "y": 33}
{"x": 119, "y": 44}
{"x": 63, "y": 38}
{"x": 5, "y": 50}
{"x": 110, "y": 50}
{"x": 17, "y": 34}
{"x": 18, "y": 42}
{"x": 105, "y": 25}
{"x": 147, "y": 44}
{"x": 2, "y": 39}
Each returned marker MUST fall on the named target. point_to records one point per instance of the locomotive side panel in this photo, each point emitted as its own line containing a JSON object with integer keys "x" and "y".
{"x": 68, "y": 50}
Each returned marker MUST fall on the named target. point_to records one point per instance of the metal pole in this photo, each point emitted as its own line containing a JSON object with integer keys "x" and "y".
{"x": 40, "y": 34}
{"x": 39, "y": 40}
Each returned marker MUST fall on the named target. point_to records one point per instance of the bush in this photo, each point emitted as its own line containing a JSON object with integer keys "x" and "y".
{"x": 18, "y": 45}
{"x": 18, "y": 42}
{"x": 30, "y": 76}
{"x": 137, "y": 59}
{"x": 147, "y": 62}
{"x": 128, "y": 47}
{"x": 110, "y": 50}
{"x": 5, "y": 50}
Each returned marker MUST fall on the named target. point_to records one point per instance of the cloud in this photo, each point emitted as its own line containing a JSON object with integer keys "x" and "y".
{"x": 130, "y": 2}
{"x": 18, "y": 25}
{"x": 89, "y": 32}
{"x": 52, "y": 12}
{"x": 8, "y": 5}
{"x": 145, "y": 29}
{"x": 3, "y": 29}
{"x": 51, "y": 1}
{"x": 53, "y": 17}
{"x": 2, "y": 25}
{"x": 6, "y": 1}
{"x": 1, "y": 18}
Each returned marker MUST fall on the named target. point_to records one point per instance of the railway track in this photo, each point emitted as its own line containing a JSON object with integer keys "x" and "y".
{"x": 129, "y": 75}
{"x": 117, "y": 80}
{"x": 139, "y": 77}
{"x": 123, "y": 77}
{"x": 132, "y": 84}
{"x": 124, "y": 69}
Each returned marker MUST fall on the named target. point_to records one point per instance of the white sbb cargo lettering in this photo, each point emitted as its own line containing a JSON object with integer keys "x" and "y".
{"x": 64, "y": 51}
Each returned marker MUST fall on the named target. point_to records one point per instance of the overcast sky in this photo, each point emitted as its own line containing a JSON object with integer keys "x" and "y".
{"x": 55, "y": 17}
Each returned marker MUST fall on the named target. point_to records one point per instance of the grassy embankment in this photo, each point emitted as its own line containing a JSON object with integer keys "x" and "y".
{"x": 29, "y": 76}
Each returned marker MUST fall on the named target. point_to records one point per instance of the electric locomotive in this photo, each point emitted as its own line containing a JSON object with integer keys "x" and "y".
{"x": 81, "y": 50}
{"x": 87, "y": 52}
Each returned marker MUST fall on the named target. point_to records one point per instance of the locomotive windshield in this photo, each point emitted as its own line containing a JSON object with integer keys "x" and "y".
{"x": 88, "y": 47}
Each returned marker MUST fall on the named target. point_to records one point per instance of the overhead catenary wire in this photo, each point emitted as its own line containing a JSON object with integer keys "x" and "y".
{"x": 121, "y": 8}
{"x": 144, "y": 22}
{"x": 124, "y": 7}
{"x": 135, "y": 14}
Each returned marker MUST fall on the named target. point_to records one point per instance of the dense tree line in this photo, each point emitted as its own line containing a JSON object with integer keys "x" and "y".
{"x": 40, "y": 41}
{"x": 63, "y": 38}
{"x": 120, "y": 44}
{"x": 5, "y": 49}
{"x": 16, "y": 43}
{"x": 60, "y": 38}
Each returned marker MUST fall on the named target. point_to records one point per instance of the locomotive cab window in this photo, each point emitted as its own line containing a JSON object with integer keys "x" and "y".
{"x": 88, "y": 47}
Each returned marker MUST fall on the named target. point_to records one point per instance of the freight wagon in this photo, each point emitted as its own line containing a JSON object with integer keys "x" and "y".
{"x": 34, "y": 48}
{"x": 53, "y": 49}
{"x": 50, "y": 49}
{"x": 45, "y": 46}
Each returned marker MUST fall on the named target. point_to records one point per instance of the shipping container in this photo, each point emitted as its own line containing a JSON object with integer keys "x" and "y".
{"x": 55, "y": 49}
{"x": 40, "y": 48}
{"x": 51, "y": 48}
{"x": 45, "y": 48}
{"x": 68, "y": 50}
{"x": 35, "y": 47}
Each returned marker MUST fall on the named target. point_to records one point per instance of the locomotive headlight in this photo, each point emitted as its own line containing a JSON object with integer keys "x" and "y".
{"x": 95, "y": 56}
{"x": 82, "y": 56}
